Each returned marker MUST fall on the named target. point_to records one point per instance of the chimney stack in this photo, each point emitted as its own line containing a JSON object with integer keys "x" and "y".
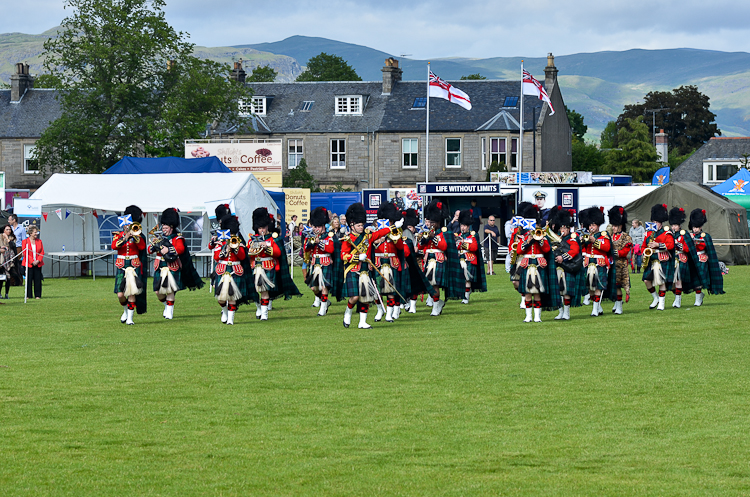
{"x": 238, "y": 73}
{"x": 661, "y": 147}
{"x": 20, "y": 82}
{"x": 391, "y": 75}
{"x": 550, "y": 74}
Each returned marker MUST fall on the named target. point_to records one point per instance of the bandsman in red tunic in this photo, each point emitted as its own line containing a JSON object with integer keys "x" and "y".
{"x": 685, "y": 273}
{"x": 388, "y": 256}
{"x": 129, "y": 244}
{"x": 320, "y": 247}
{"x": 534, "y": 256}
{"x": 470, "y": 256}
{"x": 622, "y": 245}
{"x": 710, "y": 278}
{"x": 230, "y": 278}
{"x": 597, "y": 258}
{"x": 658, "y": 259}
{"x": 265, "y": 254}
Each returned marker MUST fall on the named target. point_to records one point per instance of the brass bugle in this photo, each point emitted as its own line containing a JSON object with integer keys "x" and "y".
{"x": 136, "y": 229}
{"x": 538, "y": 234}
{"x": 234, "y": 242}
{"x": 647, "y": 253}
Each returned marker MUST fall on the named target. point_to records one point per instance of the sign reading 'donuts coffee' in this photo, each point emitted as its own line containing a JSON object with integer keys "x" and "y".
{"x": 261, "y": 157}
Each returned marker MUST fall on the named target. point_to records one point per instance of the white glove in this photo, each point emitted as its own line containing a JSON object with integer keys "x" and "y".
{"x": 362, "y": 257}
{"x": 400, "y": 223}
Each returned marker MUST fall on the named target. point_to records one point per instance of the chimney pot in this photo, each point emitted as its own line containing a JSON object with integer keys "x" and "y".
{"x": 391, "y": 74}
{"x": 20, "y": 82}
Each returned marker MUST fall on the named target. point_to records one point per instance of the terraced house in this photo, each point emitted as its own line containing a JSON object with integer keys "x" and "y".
{"x": 373, "y": 134}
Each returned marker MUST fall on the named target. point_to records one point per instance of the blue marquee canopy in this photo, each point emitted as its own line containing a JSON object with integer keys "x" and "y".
{"x": 162, "y": 165}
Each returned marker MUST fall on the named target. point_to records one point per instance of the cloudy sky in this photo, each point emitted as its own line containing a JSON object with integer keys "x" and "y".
{"x": 445, "y": 28}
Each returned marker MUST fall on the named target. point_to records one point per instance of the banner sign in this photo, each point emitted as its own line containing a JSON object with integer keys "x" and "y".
{"x": 28, "y": 207}
{"x": 577, "y": 177}
{"x": 372, "y": 199}
{"x": 458, "y": 188}
{"x": 297, "y": 204}
{"x": 260, "y": 157}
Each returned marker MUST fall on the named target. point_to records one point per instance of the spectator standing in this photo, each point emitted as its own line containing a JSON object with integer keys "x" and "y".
{"x": 637, "y": 232}
{"x": 18, "y": 229}
{"x": 491, "y": 238}
{"x": 8, "y": 266}
{"x": 454, "y": 226}
{"x": 34, "y": 260}
{"x": 476, "y": 214}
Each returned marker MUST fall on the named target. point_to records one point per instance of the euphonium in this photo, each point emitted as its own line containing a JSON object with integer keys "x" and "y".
{"x": 154, "y": 239}
{"x": 255, "y": 247}
{"x": 136, "y": 229}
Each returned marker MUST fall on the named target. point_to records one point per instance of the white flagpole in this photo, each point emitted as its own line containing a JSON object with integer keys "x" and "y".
{"x": 520, "y": 131}
{"x": 427, "y": 146}
{"x": 26, "y": 280}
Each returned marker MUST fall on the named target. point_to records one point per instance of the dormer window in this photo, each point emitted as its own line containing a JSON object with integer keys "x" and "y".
{"x": 257, "y": 106}
{"x": 348, "y": 105}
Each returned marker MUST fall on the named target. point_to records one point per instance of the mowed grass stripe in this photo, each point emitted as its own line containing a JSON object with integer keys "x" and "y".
{"x": 475, "y": 402}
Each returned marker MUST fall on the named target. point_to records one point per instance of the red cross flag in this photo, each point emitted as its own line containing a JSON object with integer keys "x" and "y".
{"x": 533, "y": 87}
{"x": 441, "y": 89}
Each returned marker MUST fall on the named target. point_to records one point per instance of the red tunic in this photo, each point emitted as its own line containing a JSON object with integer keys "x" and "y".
{"x": 470, "y": 252}
{"x": 533, "y": 250}
{"x": 320, "y": 255}
{"x": 229, "y": 259}
{"x": 127, "y": 249}
{"x": 348, "y": 245}
{"x": 268, "y": 261}
{"x": 665, "y": 239}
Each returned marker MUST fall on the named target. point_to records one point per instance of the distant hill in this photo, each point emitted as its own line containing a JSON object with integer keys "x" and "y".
{"x": 597, "y": 85}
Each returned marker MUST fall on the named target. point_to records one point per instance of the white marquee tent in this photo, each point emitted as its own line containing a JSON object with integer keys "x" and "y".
{"x": 189, "y": 192}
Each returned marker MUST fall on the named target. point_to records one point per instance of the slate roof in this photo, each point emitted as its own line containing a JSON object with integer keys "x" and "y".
{"x": 390, "y": 113}
{"x": 715, "y": 148}
{"x": 29, "y": 117}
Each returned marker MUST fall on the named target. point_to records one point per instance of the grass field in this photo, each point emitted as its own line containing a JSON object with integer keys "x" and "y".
{"x": 474, "y": 402}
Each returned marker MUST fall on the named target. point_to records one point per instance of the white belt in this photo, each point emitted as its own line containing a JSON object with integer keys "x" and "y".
{"x": 321, "y": 255}
{"x": 263, "y": 259}
{"x": 385, "y": 254}
{"x": 597, "y": 256}
{"x": 433, "y": 251}
{"x": 533, "y": 256}
{"x": 231, "y": 263}
{"x": 128, "y": 257}
{"x": 701, "y": 252}
{"x": 159, "y": 258}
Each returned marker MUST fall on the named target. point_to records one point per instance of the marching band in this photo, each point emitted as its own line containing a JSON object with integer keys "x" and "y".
{"x": 398, "y": 259}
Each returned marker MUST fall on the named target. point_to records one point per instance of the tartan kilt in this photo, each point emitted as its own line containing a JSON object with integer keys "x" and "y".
{"x": 270, "y": 274}
{"x": 668, "y": 266}
{"x": 602, "y": 277}
{"x": 686, "y": 276}
{"x": 380, "y": 282}
{"x": 327, "y": 274}
{"x": 120, "y": 276}
{"x": 703, "y": 273}
{"x": 472, "y": 270}
{"x": 242, "y": 283}
{"x": 177, "y": 275}
{"x": 351, "y": 284}
{"x": 439, "y": 271}
{"x": 544, "y": 275}
{"x": 572, "y": 283}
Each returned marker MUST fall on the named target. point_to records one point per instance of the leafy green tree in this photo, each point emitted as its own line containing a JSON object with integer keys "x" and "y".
{"x": 473, "y": 76}
{"x": 609, "y": 136}
{"x": 325, "y": 67}
{"x": 128, "y": 85}
{"x": 675, "y": 160}
{"x": 685, "y": 117}
{"x": 495, "y": 167}
{"x": 576, "y": 124}
{"x": 265, "y": 74}
{"x": 587, "y": 157}
{"x": 636, "y": 155}
{"x": 47, "y": 81}
{"x": 300, "y": 178}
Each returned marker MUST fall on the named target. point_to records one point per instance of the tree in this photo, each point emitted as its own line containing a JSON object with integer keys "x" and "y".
{"x": 608, "y": 137}
{"x": 636, "y": 155}
{"x": 300, "y": 178}
{"x": 473, "y": 76}
{"x": 265, "y": 74}
{"x": 587, "y": 157}
{"x": 128, "y": 85}
{"x": 576, "y": 124}
{"x": 685, "y": 117}
{"x": 47, "y": 81}
{"x": 325, "y": 67}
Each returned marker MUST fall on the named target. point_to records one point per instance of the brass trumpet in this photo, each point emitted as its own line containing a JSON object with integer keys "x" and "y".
{"x": 136, "y": 229}
{"x": 538, "y": 234}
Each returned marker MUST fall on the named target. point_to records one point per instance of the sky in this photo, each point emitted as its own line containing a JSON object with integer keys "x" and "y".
{"x": 445, "y": 28}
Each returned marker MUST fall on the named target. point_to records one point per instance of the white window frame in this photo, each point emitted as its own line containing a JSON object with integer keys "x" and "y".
{"x": 293, "y": 158}
{"x": 411, "y": 152}
{"x": 337, "y": 154}
{"x": 447, "y": 153}
{"x": 511, "y": 154}
{"x": 258, "y": 105}
{"x": 28, "y": 151}
{"x": 710, "y": 173}
{"x": 245, "y": 107}
{"x": 484, "y": 153}
{"x": 348, "y": 105}
{"x": 499, "y": 154}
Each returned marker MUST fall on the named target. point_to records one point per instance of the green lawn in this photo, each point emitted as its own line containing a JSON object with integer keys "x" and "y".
{"x": 474, "y": 402}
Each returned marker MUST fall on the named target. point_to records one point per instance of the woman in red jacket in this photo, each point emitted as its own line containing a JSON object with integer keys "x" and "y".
{"x": 33, "y": 259}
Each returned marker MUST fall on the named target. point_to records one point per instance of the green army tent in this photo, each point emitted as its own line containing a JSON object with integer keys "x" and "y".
{"x": 727, "y": 221}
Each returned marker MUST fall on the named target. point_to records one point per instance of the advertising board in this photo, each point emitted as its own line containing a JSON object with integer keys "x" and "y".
{"x": 263, "y": 158}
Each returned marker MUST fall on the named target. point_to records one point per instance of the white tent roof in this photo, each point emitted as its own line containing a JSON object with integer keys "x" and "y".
{"x": 152, "y": 192}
